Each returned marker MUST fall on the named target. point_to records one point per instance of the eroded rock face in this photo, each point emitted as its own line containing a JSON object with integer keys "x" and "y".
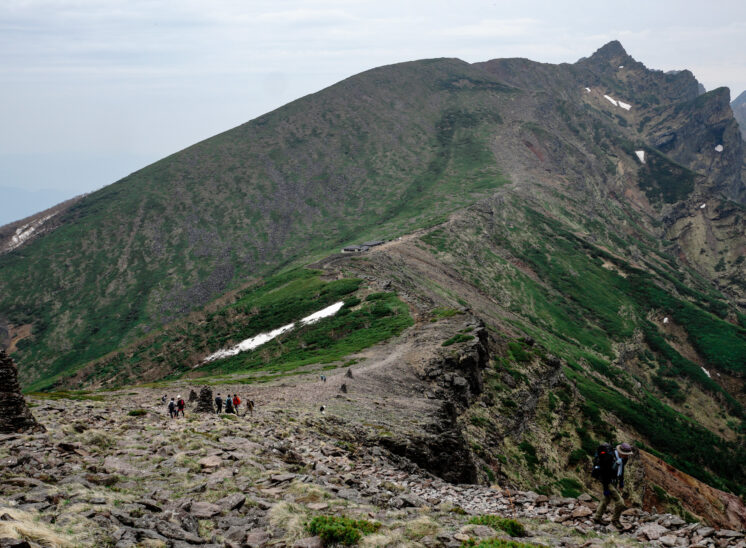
{"x": 14, "y": 413}
{"x": 204, "y": 402}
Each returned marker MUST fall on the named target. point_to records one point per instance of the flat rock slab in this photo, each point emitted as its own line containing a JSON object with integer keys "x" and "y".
{"x": 257, "y": 539}
{"x": 204, "y": 510}
{"x": 119, "y": 466}
{"x": 210, "y": 462}
{"x": 280, "y": 478}
{"x": 232, "y": 502}
{"x": 651, "y": 531}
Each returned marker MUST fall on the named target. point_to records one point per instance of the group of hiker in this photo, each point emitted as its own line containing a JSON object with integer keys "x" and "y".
{"x": 175, "y": 406}
{"x": 232, "y": 405}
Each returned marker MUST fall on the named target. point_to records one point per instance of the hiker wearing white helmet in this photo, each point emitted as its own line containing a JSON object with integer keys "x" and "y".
{"x": 180, "y": 405}
{"x": 609, "y": 469}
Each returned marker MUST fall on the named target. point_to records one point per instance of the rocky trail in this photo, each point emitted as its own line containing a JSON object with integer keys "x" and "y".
{"x": 117, "y": 471}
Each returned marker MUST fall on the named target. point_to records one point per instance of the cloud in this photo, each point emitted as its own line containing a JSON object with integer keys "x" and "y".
{"x": 495, "y": 28}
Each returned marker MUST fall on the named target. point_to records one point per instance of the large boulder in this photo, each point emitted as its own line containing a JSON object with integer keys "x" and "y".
{"x": 15, "y": 415}
{"x": 204, "y": 403}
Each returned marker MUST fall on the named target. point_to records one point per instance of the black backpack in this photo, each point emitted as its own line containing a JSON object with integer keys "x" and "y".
{"x": 603, "y": 462}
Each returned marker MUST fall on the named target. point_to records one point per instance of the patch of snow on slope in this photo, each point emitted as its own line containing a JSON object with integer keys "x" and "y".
{"x": 641, "y": 155}
{"x": 588, "y": 90}
{"x": 703, "y": 206}
{"x": 261, "y": 338}
{"x": 611, "y": 100}
{"x": 328, "y": 311}
{"x": 706, "y": 372}
{"x": 665, "y": 320}
{"x": 625, "y": 106}
{"x": 719, "y": 148}
{"x": 24, "y": 232}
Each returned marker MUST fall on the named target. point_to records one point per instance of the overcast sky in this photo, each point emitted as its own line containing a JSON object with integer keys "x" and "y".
{"x": 91, "y": 90}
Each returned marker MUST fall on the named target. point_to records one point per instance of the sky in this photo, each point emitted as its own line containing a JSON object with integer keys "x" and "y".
{"x": 92, "y": 90}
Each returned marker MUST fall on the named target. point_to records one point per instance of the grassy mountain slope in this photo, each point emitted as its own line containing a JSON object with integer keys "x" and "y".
{"x": 376, "y": 155}
{"x": 612, "y": 288}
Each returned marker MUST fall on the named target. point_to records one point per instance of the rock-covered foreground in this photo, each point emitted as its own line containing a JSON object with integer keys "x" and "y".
{"x": 102, "y": 477}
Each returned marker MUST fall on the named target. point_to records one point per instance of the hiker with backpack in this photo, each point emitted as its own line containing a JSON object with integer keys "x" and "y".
{"x": 172, "y": 408}
{"x": 228, "y": 404}
{"x": 219, "y": 404}
{"x": 236, "y": 402}
{"x": 180, "y": 405}
{"x": 608, "y": 467}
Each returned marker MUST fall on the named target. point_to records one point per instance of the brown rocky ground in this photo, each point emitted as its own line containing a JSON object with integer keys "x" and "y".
{"x": 101, "y": 476}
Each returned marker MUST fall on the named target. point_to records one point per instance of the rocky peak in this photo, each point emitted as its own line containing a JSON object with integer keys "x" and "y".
{"x": 611, "y": 51}
{"x": 14, "y": 413}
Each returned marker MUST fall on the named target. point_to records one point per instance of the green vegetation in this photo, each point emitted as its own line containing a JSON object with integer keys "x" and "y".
{"x": 512, "y": 527}
{"x": 137, "y": 412}
{"x": 684, "y": 444}
{"x": 80, "y": 395}
{"x": 529, "y": 454}
{"x": 340, "y": 530}
{"x": 279, "y": 300}
{"x": 138, "y": 254}
{"x": 570, "y": 487}
{"x": 458, "y": 338}
{"x": 378, "y": 318}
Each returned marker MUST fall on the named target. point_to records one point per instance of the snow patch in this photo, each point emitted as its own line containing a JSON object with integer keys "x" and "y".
{"x": 641, "y": 155}
{"x": 588, "y": 90}
{"x": 261, "y": 338}
{"x": 719, "y": 148}
{"x": 665, "y": 320}
{"x": 706, "y": 372}
{"x": 617, "y": 103}
{"x": 24, "y": 232}
{"x": 621, "y": 66}
{"x": 703, "y": 206}
{"x": 325, "y": 313}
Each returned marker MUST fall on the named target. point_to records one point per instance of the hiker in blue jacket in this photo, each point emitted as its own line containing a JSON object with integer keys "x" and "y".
{"x": 612, "y": 479}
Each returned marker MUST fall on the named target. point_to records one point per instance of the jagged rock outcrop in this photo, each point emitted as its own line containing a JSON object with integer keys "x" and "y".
{"x": 204, "y": 402}
{"x": 15, "y": 415}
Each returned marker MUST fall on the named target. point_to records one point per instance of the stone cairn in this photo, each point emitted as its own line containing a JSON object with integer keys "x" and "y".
{"x": 15, "y": 415}
{"x": 204, "y": 403}
{"x": 193, "y": 396}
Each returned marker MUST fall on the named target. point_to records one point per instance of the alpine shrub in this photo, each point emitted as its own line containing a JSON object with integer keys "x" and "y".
{"x": 512, "y": 527}
{"x": 338, "y": 530}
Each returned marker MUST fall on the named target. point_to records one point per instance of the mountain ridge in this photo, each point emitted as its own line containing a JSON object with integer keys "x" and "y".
{"x": 582, "y": 213}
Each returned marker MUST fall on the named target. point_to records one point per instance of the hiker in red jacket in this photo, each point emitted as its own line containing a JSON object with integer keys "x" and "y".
{"x": 180, "y": 405}
{"x": 236, "y": 402}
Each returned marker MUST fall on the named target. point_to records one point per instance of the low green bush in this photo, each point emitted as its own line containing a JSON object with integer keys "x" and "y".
{"x": 512, "y": 527}
{"x": 339, "y": 530}
{"x": 460, "y": 337}
{"x": 137, "y": 413}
